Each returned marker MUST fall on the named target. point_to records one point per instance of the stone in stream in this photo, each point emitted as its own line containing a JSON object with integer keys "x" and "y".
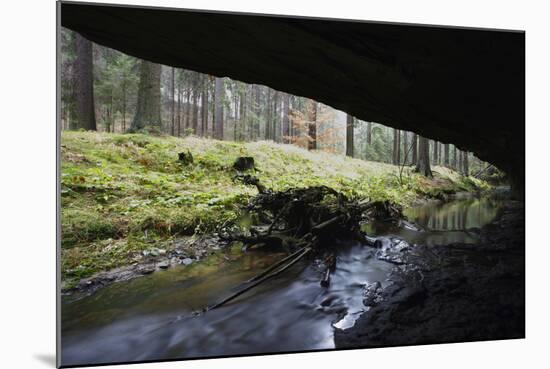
{"x": 392, "y": 250}
{"x": 372, "y": 294}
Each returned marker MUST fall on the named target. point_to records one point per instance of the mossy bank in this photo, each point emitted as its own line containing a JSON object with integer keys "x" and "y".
{"x": 126, "y": 195}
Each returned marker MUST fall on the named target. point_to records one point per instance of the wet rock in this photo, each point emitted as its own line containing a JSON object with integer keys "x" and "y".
{"x": 372, "y": 294}
{"x": 147, "y": 269}
{"x": 393, "y": 251}
{"x": 187, "y": 261}
{"x": 164, "y": 264}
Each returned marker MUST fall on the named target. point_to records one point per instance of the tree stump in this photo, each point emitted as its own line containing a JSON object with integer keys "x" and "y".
{"x": 244, "y": 163}
{"x": 185, "y": 158}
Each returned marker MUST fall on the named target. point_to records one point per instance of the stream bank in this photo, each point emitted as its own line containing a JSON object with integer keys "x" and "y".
{"x": 459, "y": 292}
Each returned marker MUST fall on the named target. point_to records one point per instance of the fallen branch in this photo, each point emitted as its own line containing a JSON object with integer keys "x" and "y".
{"x": 274, "y": 266}
{"x": 259, "y": 281}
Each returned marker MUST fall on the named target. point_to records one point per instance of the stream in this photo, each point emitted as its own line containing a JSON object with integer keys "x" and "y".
{"x": 154, "y": 317}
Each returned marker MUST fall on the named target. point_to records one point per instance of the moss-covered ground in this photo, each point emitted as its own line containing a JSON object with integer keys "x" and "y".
{"x": 122, "y": 194}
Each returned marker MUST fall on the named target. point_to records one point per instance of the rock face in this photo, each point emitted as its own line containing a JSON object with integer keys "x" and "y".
{"x": 461, "y": 86}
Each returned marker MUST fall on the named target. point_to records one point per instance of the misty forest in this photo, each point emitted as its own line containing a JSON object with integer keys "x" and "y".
{"x": 233, "y": 202}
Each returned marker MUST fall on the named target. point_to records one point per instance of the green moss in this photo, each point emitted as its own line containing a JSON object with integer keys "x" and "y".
{"x": 122, "y": 192}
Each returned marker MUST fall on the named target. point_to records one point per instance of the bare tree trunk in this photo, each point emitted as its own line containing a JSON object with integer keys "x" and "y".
{"x": 195, "y": 108}
{"x": 414, "y": 149}
{"x": 218, "y": 108}
{"x": 275, "y": 129}
{"x": 455, "y": 162}
{"x": 369, "y": 133}
{"x": 148, "y": 104}
{"x": 187, "y": 108}
{"x": 349, "y": 135}
{"x": 312, "y": 124}
{"x": 423, "y": 163}
{"x": 465, "y": 163}
{"x": 204, "y": 105}
{"x": 173, "y": 102}
{"x": 267, "y": 133}
{"x": 286, "y": 118}
{"x": 398, "y": 147}
{"x": 124, "y": 105}
{"x": 405, "y": 147}
{"x": 179, "y": 109}
{"x": 434, "y": 148}
{"x": 257, "y": 112}
{"x": 84, "y": 86}
{"x": 446, "y": 153}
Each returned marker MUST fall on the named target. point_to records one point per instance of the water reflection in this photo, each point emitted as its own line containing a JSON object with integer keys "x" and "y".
{"x": 441, "y": 223}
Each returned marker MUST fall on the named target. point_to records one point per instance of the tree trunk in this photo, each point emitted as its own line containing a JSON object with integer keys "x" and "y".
{"x": 395, "y": 155}
{"x": 84, "y": 84}
{"x": 187, "y": 108}
{"x": 257, "y": 112}
{"x": 414, "y": 149}
{"x": 148, "y": 101}
{"x": 455, "y": 160}
{"x": 173, "y": 102}
{"x": 195, "y": 108}
{"x": 398, "y": 147}
{"x": 312, "y": 124}
{"x": 124, "y": 105}
{"x": 275, "y": 130}
{"x": 369, "y": 133}
{"x": 242, "y": 113}
{"x": 286, "y": 118}
{"x": 204, "y": 105}
{"x": 423, "y": 163}
{"x": 349, "y": 135}
{"x": 465, "y": 163}
{"x": 218, "y": 108}
{"x": 267, "y": 133}
{"x": 434, "y": 148}
{"x": 179, "y": 109}
{"x": 406, "y": 151}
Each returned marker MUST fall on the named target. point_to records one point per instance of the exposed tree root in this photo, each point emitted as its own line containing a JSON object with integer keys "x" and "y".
{"x": 303, "y": 221}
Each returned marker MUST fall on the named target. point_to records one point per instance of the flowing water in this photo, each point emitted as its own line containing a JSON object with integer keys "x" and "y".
{"x": 154, "y": 317}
